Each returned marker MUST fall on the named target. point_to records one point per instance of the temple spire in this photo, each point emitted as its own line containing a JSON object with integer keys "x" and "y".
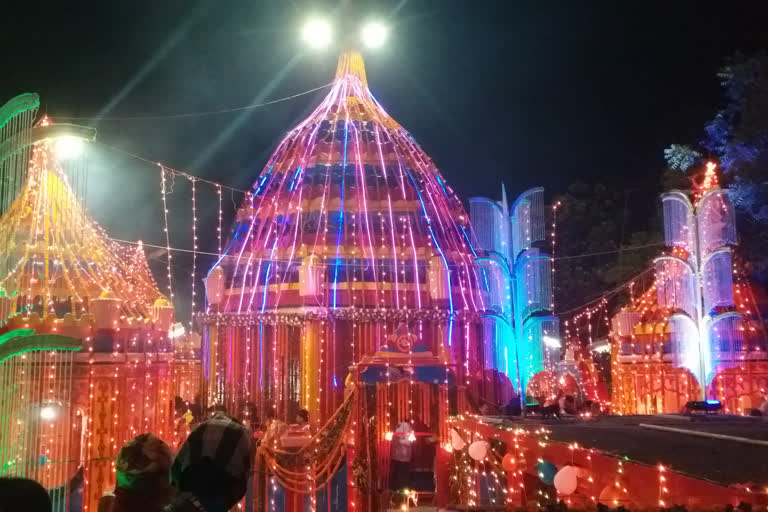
{"x": 351, "y": 63}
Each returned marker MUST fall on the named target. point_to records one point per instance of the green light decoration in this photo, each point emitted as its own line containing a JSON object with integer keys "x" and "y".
{"x": 22, "y": 140}
{"x": 20, "y": 341}
{"x": 27, "y": 102}
{"x": 35, "y": 397}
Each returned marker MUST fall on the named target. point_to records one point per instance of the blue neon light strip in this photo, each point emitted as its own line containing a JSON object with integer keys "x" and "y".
{"x": 341, "y": 214}
{"x": 293, "y": 181}
{"x": 434, "y": 239}
{"x": 441, "y": 184}
{"x": 263, "y": 180}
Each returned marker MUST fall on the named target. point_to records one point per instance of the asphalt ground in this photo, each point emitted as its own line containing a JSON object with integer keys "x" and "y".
{"x": 723, "y": 461}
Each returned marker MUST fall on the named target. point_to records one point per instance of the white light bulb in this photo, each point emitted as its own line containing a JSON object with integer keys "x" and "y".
{"x": 317, "y": 33}
{"x": 69, "y": 147}
{"x": 374, "y": 34}
{"x": 48, "y": 413}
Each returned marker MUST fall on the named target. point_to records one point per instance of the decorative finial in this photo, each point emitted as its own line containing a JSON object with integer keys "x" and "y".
{"x": 351, "y": 64}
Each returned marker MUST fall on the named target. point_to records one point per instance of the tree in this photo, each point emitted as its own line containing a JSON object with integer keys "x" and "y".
{"x": 599, "y": 244}
{"x": 737, "y": 138}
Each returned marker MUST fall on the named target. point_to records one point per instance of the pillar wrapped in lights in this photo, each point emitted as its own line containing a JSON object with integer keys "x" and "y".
{"x": 696, "y": 332}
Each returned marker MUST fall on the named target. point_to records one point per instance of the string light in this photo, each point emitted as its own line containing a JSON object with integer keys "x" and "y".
{"x": 163, "y": 192}
{"x": 194, "y": 251}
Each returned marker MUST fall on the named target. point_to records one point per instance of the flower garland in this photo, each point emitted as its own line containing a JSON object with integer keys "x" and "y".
{"x": 296, "y": 319}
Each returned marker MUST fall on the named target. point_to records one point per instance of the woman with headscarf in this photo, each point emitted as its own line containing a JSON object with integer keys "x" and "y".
{"x": 143, "y": 477}
{"x": 212, "y": 467}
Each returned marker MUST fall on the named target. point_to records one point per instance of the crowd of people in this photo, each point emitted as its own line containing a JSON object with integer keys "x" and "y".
{"x": 209, "y": 473}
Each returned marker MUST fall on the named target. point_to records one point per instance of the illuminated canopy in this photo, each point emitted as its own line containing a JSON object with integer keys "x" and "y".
{"x": 349, "y": 211}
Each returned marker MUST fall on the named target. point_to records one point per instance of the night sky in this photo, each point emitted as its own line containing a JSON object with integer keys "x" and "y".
{"x": 531, "y": 93}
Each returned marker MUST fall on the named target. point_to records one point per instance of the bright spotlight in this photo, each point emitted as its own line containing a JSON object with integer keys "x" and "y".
{"x": 317, "y": 33}
{"x": 374, "y": 34}
{"x": 551, "y": 342}
{"x": 69, "y": 147}
{"x": 48, "y": 412}
{"x": 176, "y": 331}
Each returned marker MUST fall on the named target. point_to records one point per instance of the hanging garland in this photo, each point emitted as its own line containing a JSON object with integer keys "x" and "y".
{"x": 360, "y": 474}
{"x": 312, "y": 466}
{"x": 347, "y": 313}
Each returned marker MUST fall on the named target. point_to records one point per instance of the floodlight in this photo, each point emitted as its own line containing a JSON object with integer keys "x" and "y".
{"x": 551, "y": 342}
{"x": 69, "y": 147}
{"x": 48, "y": 412}
{"x": 317, "y": 33}
{"x": 374, "y": 34}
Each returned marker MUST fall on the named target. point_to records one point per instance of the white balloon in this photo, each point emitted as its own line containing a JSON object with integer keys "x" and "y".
{"x": 566, "y": 480}
{"x": 456, "y": 441}
{"x": 478, "y": 450}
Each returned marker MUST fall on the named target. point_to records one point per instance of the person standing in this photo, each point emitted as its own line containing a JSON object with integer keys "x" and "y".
{"x": 143, "y": 483}
{"x": 213, "y": 466}
{"x": 400, "y": 457}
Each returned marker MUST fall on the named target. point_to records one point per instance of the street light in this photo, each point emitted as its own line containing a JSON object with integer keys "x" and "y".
{"x": 69, "y": 147}
{"x": 374, "y": 34}
{"x": 317, "y": 33}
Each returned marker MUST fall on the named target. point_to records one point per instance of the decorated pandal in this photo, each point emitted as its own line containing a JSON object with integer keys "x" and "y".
{"x": 351, "y": 287}
{"x": 86, "y": 362}
{"x": 695, "y": 333}
{"x": 351, "y": 280}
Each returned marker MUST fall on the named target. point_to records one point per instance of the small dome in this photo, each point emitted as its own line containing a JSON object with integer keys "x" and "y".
{"x": 162, "y": 302}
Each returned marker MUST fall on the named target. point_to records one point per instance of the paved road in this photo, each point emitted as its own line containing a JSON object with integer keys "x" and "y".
{"x": 726, "y": 462}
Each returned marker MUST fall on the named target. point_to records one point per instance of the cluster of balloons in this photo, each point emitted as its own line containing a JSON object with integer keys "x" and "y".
{"x": 477, "y": 450}
{"x": 565, "y": 480}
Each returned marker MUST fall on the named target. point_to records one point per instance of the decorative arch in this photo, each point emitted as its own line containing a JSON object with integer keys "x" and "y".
{"x": 549, "y": 383}
{"x": 717, "y": 280}
{"x": 679, "y": 224}
{"x": 715, "y": 220}
{"x": 740, "y": 388}
{"x": 676, "y": 285}
{"x": 726, "y": 341}
{"x": 488, "y": 220}
{"x": 533, "y": 271}
{"x": 527, "y": 218}
{"x": 686, "y": 345}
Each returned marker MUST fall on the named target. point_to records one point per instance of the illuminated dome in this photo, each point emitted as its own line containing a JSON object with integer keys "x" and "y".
{"x": 349, "y": 212}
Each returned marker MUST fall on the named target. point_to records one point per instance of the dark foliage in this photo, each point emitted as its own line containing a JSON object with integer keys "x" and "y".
{"x": 598, "y": 219}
